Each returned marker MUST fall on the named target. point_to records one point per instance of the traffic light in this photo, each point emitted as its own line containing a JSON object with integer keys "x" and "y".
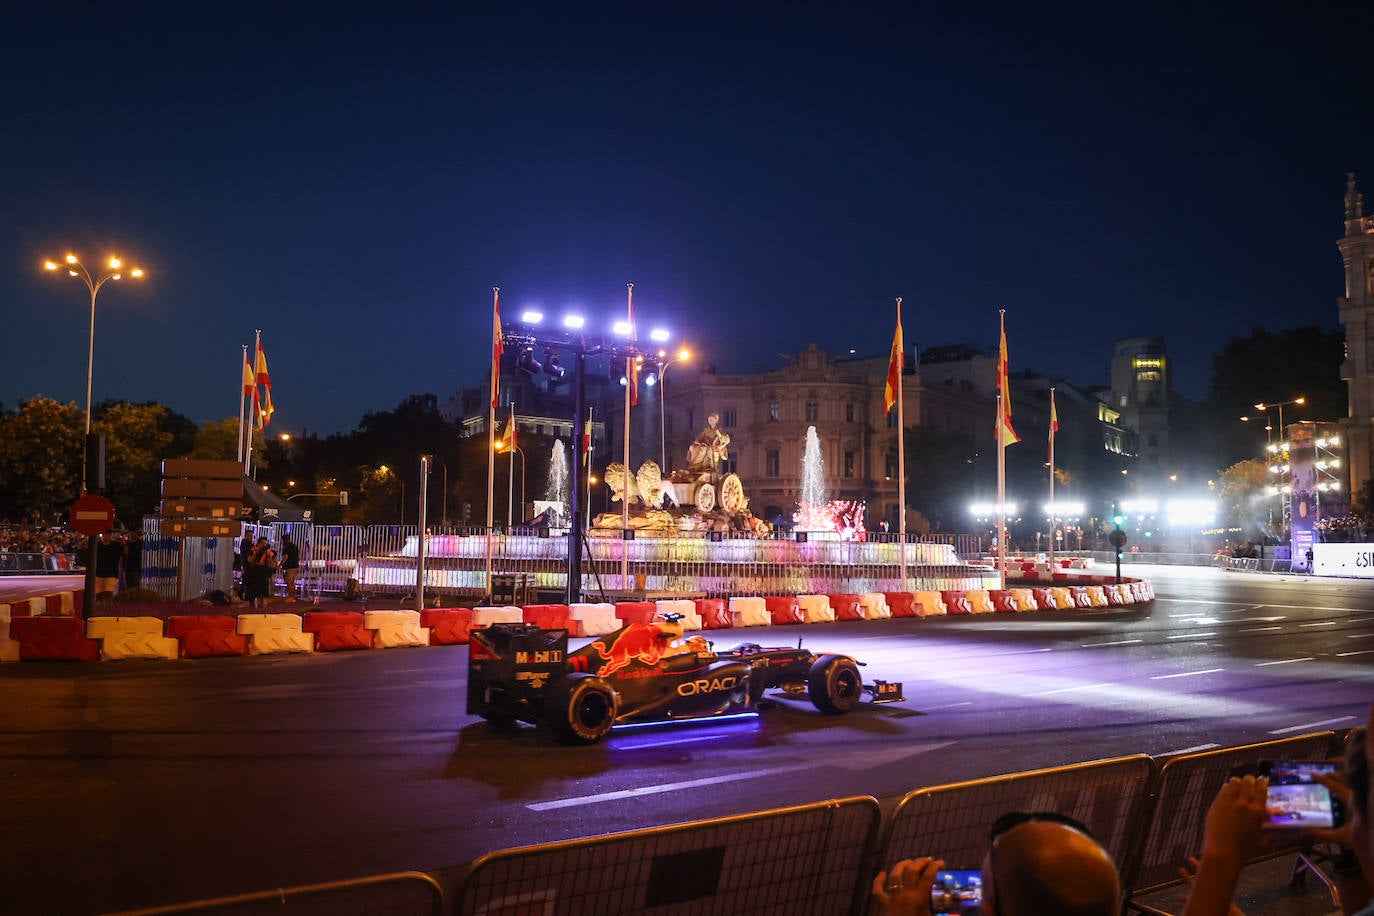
{"x": 1118, "y": 517}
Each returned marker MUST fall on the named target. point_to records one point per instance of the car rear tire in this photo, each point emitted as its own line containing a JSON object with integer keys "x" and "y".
{"x": 580, "y": 708}
{"x": 834, "y": 684}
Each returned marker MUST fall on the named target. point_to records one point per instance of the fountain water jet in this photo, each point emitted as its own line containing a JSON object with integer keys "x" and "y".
{"x": 556, "y": 488}
{"x": 814, "y": 511}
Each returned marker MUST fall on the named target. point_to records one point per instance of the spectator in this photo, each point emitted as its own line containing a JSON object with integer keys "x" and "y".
{"x": 290, "y": 565}
{"x": 109, "y": 555}
{"x": 1037, "y": 863}
{"x": 257, "y": 573}
{"x": 1354, "y": 835}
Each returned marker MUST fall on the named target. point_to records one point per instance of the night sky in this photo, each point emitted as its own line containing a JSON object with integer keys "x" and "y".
{"x": 355, "y": 179}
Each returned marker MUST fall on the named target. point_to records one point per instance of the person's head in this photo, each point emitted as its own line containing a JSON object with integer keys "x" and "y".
{"x": 1044, "y": 862}
{"x": 262, "y": 542}
{"x": 286, "y": 539}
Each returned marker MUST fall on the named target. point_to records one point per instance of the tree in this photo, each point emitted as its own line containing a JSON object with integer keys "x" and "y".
{"x": 1246, "y": 502}
{"x": 137, "y": 438}
{"x": 1269, "y": 367}
{"x": 41, "y": 449}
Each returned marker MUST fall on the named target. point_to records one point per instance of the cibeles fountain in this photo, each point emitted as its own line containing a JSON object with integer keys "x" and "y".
{"x": 694, "y": 499}
{"x": 690, "y": 533}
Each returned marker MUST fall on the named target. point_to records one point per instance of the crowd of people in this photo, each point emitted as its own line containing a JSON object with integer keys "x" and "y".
{"x": 1044, "y": 862}
{"x": 39, "y": 541}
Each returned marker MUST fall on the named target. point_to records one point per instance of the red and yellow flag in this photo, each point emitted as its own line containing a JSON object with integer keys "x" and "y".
{"x": 895, "y": 364}
{"x": 586, "y": 442}
{"x": 248, "y": 382}
{"x": 1006, "y": 435}
{"x": 508, "y": 441}
{"x": 260, "y": 367}
{"x": 498, "y": 346}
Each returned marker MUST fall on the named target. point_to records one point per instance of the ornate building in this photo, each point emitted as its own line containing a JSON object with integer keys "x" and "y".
{"x": 1357, "y": 250}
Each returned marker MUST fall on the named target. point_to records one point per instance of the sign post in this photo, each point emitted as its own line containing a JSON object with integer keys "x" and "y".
{"x": 92, "y": 515}
{"x": 200, "y": 499}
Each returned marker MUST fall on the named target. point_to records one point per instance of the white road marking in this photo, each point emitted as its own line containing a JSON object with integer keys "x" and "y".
{"x": 952, "y": 705}
{"x": 1285, "y": 661}
{"x": 1187, "y": 750}
{"x": 1259, "y": 629}
{"x": 1358, "y": 635}
{"x": 1191, "y": 635}
{"x": 1046, "y": 693}
{"x": 1165, "y": 677}
{"x": 1360, "y": 652}
{"x": 1324, "y": 623}
{"x": 1258, "y": 619}
{"x": 1119, "y": 642}
{"x": 1298, "y": 728}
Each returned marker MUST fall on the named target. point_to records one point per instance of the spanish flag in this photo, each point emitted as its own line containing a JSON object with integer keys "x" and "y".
{"x": 260, "y": 366}
{"x": 895, "y": 364}
{"x": 1006, "y": 435}
{"x": 248, "y": 382}
{"x": 498, "y": 346}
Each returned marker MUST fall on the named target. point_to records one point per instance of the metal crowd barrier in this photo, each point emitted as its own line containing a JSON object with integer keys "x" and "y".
{"x": 811, "y": 859}
{"x": 1186, "y": 788}
{"x": 38, "y": 563}
{"x": 401, "y": 894}
{"x": 1110, "y": 797}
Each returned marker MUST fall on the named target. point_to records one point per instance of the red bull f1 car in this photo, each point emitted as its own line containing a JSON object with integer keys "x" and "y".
{"x": 643, "y": 673}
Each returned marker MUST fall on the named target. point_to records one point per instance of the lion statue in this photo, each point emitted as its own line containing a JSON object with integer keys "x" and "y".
{"x": 653, "y": 490}
{"x": 622, "y": 484}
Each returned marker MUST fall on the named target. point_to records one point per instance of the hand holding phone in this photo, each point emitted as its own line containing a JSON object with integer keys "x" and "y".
{"x": 1296, "y": 800}
{"x": 957, "y": 890}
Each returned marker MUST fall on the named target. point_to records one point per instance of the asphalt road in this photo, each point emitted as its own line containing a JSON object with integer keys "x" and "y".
{"x": 140, "y": 783}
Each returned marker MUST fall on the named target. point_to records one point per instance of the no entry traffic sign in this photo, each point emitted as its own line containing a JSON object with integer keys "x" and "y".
{"x": 93, "y": 514}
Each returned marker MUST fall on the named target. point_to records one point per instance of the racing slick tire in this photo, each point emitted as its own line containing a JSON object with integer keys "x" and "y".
{"x": 834, "y": 684}
{"x": 580, "y": 708}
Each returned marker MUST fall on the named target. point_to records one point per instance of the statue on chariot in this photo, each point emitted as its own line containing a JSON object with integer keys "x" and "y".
{"x": 702, "y": 499}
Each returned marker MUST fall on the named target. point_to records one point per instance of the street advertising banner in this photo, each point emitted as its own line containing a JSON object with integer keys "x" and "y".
{"x": 1303, "y": 505}
{"x": 1355, "y": 560}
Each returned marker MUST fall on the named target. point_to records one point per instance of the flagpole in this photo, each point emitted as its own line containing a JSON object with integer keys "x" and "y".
{"x": 248, "y": 439}
{"x": 1054, "y": 421}
{"x": 497, "y": 346}
{"x": 242, "y": 367}
{"x": 901, "y": 450}
{"x": 1002, "y": 424}
{"x": 510, "y": 477}
{"x": 587, "y": 462}
{"x": 625, "y": 491}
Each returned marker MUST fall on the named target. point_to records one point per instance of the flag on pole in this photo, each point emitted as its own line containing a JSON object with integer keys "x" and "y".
{"x": 267, "y": 408}
{"x": 498, "y": 346}
{"x": 508, "y": 441}
{"x": 257, "y": 409}
{"x": 1054, "y": 423}
{"x": 895, "y": 364}
{"x": 587, "y": 442}
{"x": 636, "y": 363}
{"x": 260, "y": 366}
{"x": 1006, "y": 435}
{"x": 248, "y": 381}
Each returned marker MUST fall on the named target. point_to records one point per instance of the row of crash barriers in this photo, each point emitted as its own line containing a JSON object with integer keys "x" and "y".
{"x": 819, "y": 858}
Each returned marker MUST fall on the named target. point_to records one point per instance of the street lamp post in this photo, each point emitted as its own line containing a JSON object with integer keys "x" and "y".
{"x": 682, "y": 356}
{"x": 1266, "y": 407}
{"x": 114, "y": 271}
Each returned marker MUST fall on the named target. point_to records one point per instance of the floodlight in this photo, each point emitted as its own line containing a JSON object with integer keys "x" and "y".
{"x": 659, "y": 335}
{"x": 621, "y": 328}
{"x": 555, "y": 370}
{"x": 527, "y": 364}
{"x": 530, "y": 316}
{"x": 574, "y": 321}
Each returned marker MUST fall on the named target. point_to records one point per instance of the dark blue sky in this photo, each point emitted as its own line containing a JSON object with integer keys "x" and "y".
{"x": 354, "y": 180}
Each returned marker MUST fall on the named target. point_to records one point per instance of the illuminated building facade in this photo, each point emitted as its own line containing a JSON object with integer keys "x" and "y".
{"x": 1357, "y": 251}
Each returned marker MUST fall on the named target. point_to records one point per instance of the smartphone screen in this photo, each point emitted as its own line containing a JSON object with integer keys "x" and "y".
{"x": 1295, "y": 799}
{"x": 957, "y": 890}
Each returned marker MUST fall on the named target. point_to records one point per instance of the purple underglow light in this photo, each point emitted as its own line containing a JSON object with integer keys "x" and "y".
{"x": 668, "y": 723}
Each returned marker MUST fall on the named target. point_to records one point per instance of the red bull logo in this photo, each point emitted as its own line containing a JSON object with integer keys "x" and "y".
{"x": 640, "y": 642}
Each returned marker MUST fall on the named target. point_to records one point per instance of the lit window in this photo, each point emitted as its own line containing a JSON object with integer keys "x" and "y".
{"x": 813, "y": 410}
{"x": 774, "y": 411}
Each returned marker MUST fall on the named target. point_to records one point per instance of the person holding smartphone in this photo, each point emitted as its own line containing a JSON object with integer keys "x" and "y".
{"x": 1037, "y": 862}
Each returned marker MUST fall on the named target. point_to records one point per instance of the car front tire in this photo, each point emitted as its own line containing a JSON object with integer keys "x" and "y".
{"x": 834, "y": 684}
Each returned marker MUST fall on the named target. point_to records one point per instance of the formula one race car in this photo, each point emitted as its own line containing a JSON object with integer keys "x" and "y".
{"x": 644, "y": 672}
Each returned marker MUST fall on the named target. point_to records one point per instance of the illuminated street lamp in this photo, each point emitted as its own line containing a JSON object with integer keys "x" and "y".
{"x": 1266, "y": 407}
{"x": 682, "y": 356}
{"x": 114, "y": 270}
